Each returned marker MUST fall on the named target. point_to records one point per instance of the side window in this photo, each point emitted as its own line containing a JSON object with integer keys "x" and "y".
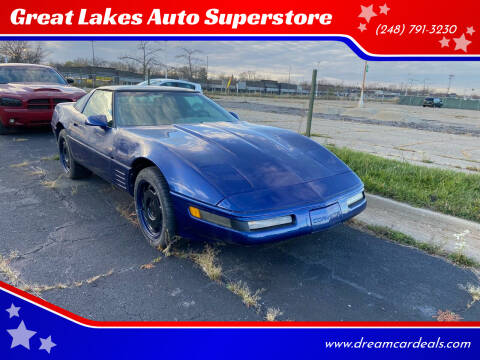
{"x": 100, "y": 103}
{"x": 81, "y": 102}
{"x": 185, "y": 86}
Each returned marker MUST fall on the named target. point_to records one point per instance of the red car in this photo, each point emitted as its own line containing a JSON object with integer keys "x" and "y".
{"x": 29, "y": 93}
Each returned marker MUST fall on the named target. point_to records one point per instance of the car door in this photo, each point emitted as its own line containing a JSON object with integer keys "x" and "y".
{"x": 94, "y": 143}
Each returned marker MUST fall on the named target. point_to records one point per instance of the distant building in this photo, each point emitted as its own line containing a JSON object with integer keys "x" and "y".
{"x": 94, "y": 76}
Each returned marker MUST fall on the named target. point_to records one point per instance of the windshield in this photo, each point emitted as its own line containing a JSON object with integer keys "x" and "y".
{"x": 151, "y": 108}
{"x": 25, "y": 74}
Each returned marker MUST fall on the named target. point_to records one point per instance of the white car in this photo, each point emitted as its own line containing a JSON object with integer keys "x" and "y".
{"x": 173, "y": 82}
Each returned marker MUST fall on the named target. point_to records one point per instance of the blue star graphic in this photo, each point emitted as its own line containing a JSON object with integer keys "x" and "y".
{"x": 21, "y": 336}
{"x": 47, "y": 344}
{"x": 13, "y": 311}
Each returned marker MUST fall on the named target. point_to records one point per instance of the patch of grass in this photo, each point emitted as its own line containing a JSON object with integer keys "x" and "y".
{"x": 147, "y": 266}
{"x": 151, "y": 264}
{"x": 319, "y": 135}
{"x": 52, "y": 157}
{"x": 74, "y": 190}
{"x": 449, "y": 192}
{"x": 38, "y": 172}
{"x": 472, "y": 168}
{"x": 22, "y": 164}
{"x": 51, "y": 184}
{"x": 427, "y": 161}
{"x": 272, "y": 314}
{"x": 447, "y": 315}
{"x": 474, "y": 292}
{"x": 462, "y": 260}
{"x": 128, "y": 212}
{"x": 12, "y": 276}
{"x": 401, "y": 238}
{"x": 242, "y": 290}
{"x": 41, "y": 288}
{"x": 207, "y": 260}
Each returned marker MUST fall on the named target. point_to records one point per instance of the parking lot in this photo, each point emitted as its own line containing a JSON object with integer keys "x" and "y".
{"x": 75, "y": 244}
{"x": 410, "y": 133}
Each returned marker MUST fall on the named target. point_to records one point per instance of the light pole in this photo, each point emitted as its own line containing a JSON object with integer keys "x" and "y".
{"x": 365, "y": 69}
{"x": 93, "y": 54}
{"x": 425, "y": 86}
{"x": 165, "y": 58}
{"x": 316, "y": 87}
{"x": 450, "y": 78}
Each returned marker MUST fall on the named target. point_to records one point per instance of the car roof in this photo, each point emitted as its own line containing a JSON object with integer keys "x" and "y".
{"x": 145, "y": 88}
{"x": 176, "y": 80}
{"x": 24, "y": 65}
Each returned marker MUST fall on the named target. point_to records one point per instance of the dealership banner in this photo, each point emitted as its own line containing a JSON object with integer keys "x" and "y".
{"x": 374, "y": 29}
{"x": 31, "y": 328}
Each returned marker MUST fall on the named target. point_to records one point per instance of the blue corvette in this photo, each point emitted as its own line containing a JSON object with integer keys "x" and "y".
{"x": 196, "y": 170}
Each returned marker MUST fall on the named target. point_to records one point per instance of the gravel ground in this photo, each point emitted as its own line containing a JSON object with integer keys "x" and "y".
{"x": 445, "y": 138}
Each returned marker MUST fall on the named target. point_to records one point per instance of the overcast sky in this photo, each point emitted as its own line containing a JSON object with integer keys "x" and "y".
{"x": 273, "y": 59}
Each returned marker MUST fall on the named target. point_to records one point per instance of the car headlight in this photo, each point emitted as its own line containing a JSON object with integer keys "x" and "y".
{"x": 239, "y": 225}
{"x": 355, "y": 198}
{"x": 6, "y": 101}
{"x": 268, "y": 223}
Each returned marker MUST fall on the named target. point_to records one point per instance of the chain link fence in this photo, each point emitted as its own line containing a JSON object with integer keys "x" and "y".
{"x": 452, "y": 103}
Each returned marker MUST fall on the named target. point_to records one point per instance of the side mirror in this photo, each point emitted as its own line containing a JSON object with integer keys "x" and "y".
{"x": 235, "y": 115}
{"x": 97, "y": 120}
{"x": 70, "y": 81}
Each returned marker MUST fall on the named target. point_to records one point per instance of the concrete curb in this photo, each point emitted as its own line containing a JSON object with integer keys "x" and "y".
{"x": 424, "y": 225}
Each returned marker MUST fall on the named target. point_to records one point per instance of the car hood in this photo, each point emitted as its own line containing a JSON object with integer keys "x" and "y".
{"x": 40, "y": 90}
{"x": 241, "y": 158}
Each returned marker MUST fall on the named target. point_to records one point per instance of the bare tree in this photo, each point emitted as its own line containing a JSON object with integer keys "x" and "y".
{"x": 147, "y": 57}
{"x": 22, "y": 52}
{"x": 188, "y": 55}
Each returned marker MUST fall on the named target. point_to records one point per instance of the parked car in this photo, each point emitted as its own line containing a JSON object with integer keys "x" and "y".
{"x": 29, "y": 93}
{"x": 175, "y": 83}
{"x": 432, "y": 102}
{"x": 197, "y": 171}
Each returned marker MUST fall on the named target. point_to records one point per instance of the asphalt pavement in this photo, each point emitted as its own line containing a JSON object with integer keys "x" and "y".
{"x": 74, "y": 244}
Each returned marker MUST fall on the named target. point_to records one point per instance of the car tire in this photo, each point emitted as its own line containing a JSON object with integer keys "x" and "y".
{"x": 71, "y": 168}
{"x": 154, "y": 208}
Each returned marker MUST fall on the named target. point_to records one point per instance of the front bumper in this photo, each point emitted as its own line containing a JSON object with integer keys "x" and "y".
{"x": 307, "y": 220}
{"x": 21, "y": 117}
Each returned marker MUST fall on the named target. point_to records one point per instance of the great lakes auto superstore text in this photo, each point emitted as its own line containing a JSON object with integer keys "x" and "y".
{"x": 157, "y": 17}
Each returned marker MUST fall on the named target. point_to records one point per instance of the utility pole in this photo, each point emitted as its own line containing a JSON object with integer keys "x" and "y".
{"x": 94, "y": 75}
{"x": 289, "y": 71}
{"x": 365, "y": 70}
{"x": 450, "y": 78}
{"x": 207, "y": 69}
{"x": 93, "y": 54}
{"x": 165, "y": 58}
{"x": 424, "y": 87}
{"x": 310, "y": 105}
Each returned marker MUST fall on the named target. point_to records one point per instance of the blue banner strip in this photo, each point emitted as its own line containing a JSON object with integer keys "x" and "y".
{"x": 30, "y": 331}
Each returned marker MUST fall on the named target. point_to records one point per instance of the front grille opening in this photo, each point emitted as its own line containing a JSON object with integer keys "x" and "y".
{"x": 45, "y": 104}
{"x": 38, "y": 104}
{"x": 58, "y": 101}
